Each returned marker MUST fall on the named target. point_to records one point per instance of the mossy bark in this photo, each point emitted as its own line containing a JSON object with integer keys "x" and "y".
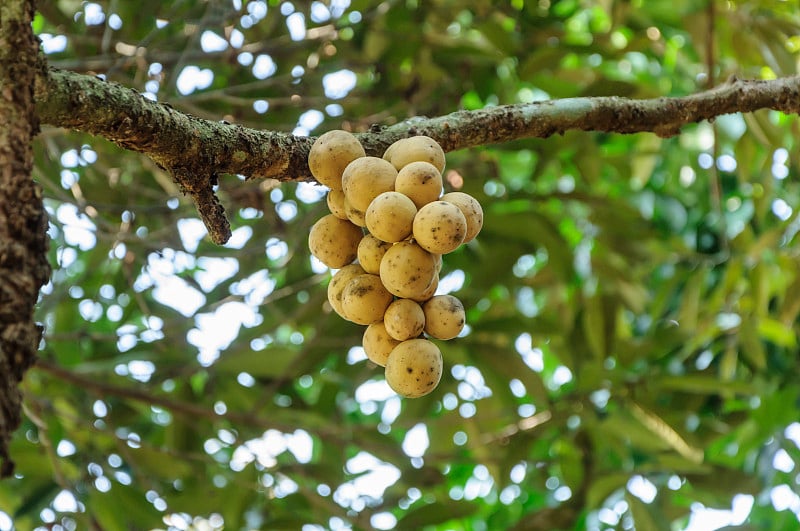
{"x": 23, "y": 223}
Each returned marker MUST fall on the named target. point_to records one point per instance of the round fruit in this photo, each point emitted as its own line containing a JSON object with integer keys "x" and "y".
{"x": 378, "y": 343}
{"x": 387, "y": 155}
{"x": 365, "y": 178}
{"x": 440, "y": 227}
{"x": 471, "y": 209}
{"x": 364, "y": 299}
{"x": 414, "y": 368}
{"x": 330, "y": 154}
{"x": 404, "y": 319}
{"x": 337, "y": 284}
{"x": 407, "y": 270}
{"x": 428, "y": 293}
{"x": 444, "y": 317}
{"x": 335, "y": 200}
{"x": 334, "y": 241}
{"x": 370, "y": 253}
{"x": 420, "y": 181}
{"x": 416, "y": 149}
{"x": 390, "y": 217}
{"x": 354, "y": 215}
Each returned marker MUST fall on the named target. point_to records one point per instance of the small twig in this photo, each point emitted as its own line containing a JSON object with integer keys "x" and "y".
{"x": 104, "y": 389}
{"x": 194, "y": 39}
{"x": 187, "y": 409}
{"x": 720, "y": 225}
{"x": 523, "y": 425}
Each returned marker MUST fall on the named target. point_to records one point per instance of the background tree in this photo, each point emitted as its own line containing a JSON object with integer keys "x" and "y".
{"x": 632, "y": 301}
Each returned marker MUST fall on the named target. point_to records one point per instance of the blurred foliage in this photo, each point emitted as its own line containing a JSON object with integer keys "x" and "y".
{"x": 631, "y": 357}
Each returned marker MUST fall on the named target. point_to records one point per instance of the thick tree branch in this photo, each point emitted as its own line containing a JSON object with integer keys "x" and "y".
{"x": 195, "y": 151}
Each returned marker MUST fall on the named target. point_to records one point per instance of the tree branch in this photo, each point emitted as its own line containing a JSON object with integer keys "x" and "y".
{"x": 177, "y": 407}
{"x": 195, "y": 151}
{"x": 190, "y": 410}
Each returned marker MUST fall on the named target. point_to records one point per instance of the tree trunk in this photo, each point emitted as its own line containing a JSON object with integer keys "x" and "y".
{"x": 23, "y": 224}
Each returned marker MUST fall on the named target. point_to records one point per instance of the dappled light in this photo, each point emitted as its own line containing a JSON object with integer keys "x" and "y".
{"x": 629, "y": 356}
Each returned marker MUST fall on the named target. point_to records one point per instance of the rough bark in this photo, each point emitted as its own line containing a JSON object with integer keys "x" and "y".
{"x": 23, "y": 242}
{"x": 196, "y": 151}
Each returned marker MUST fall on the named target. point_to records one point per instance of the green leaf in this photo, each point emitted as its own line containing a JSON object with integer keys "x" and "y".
{"x": 625, "y": 428}
{"x": 704, "y": 384}
{"x": 604, "y": 486}
{"x": 790, "y": 308}
{"x": 270, "y": 362}
{"x": 690, "y": 301}
{"x": 594, "y": 325}
{"x": 436, "y": 513}
{"x": 645, "y": 515}
{"x": 123, "y": 507}
{"x": 38, "y": 23}
{"x": 752, "y": 348}
{"x": 36, "y": 499}
{"x": 155, "y": 462}
{"x": 776, "y": 332}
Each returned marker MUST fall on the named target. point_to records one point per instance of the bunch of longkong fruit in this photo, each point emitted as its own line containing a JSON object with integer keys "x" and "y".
{"x": 388, "y": 274}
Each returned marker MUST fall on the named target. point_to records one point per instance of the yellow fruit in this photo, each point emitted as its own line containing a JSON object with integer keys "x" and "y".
{"x": 428, "y": 293}
{"x": 335, "y": 200}
{"x": 364, "y": 299}
{"x": 337, "y": 284}
{"x": 355, "y": 216}
{"x": 334, "y": 241}
{"x": 387, "y": 155}
{"x": 439, "y": 227}
{"x": 378, "y": 343}
{"x": 471, "y": 209}
{"x": 420, "y": 181}
{"x": 414, "y": 368}
{"x": 404, "y": 319}
{"x": 444, "y": 316}
{"x": 330, "y": 154}
{"x": 370, "y": 253}
{"x": 390, "y": 217}
{"x": 407, "y": 270}
{"x": 416, "y": 149}
{"x": 365, "y": 178}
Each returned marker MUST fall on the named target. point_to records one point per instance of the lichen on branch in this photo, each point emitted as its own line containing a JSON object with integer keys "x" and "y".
{"x": 196, "y": 151}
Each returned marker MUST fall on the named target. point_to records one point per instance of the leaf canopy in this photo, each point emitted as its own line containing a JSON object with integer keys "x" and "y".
{"x": 632, "y": 301}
